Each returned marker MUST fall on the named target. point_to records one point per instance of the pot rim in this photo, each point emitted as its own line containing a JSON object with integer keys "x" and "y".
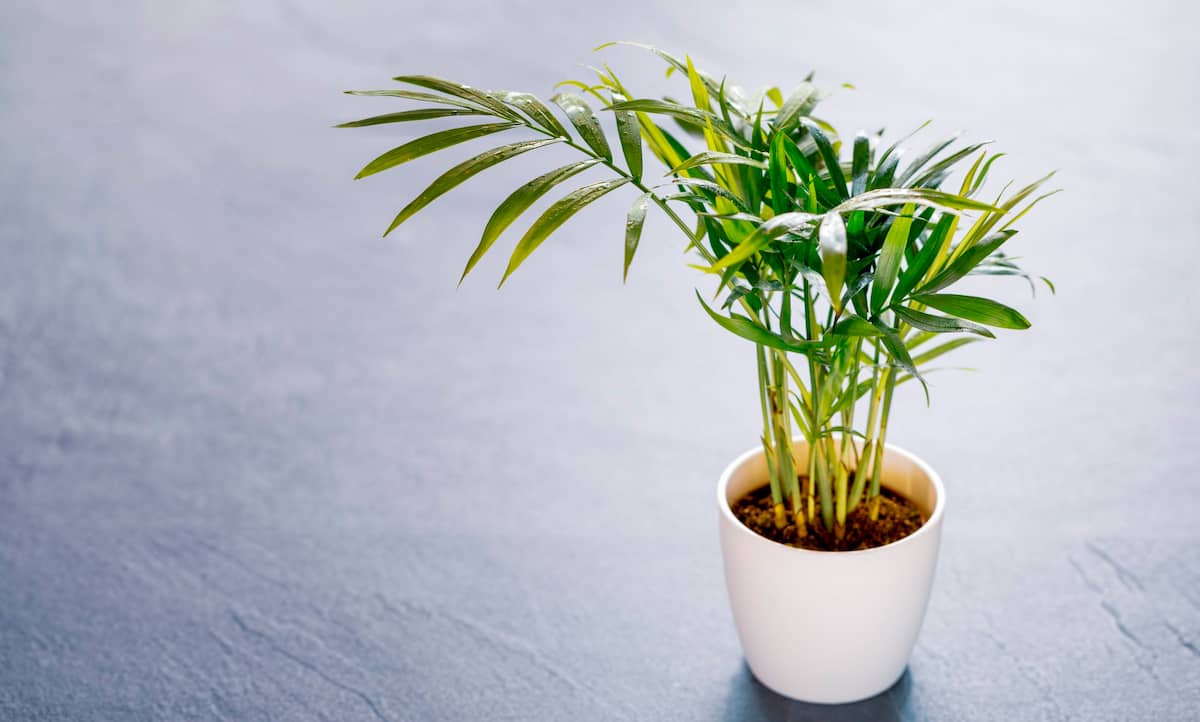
{"x": 934, "y": 519}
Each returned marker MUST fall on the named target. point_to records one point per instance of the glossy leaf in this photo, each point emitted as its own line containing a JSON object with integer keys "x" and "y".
{"x": 517, "y": 203}
{"x": 585, "y": 121}
{"x": 536, "y": 110}
{"x": 887, "y": 268}
{"x": 554, "y": 217}
{"x": 630, "y": 134}
{"x": 429, "y": 144}
{"x": 967, "y": 261}
{"x": 799, "y": 104}
{"x": 938, "y": 324}
{"x": 748, "y": 329}
{"x": 920, "y": 265}
{"x": 458, "y": 90}
{"x": 417, "y": 95}
{"x": 462, "y": 172}
{"x": 829, "y": 155}
{"x": 884, "y": 197}
{"x": 832, "y": 246}
{"x": 634, "y": 220}
{"x": 405, "y": 116}
{"x": 859, "y": 166}
{"x": 973, "y": 308}
{"x": 711, "y": 157}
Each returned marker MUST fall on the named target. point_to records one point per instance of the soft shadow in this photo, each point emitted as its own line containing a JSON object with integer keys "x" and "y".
{"x": 750, "y": 701}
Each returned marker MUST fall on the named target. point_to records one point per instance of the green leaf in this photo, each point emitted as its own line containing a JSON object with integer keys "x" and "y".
{"x": 711, "y": 157}
{"x": 931, "y": 354}
{"x": 458, "y": 90}
{"x": 405, "y": 116}
{"x": 806, "y": 173}
{"x": 855, "y": 326}
{"x": 973, "y": 308}
{"x": 967, "y": 261}
{"x": 462, "y": 172}
{"x": 753, "y": 243}
{"x": 554, "y": 217}
{"x": 938, "y": 324}
{"x": 536, "y": 110}
{"x": 832, "y": 246}
{"x": 862, "y": 160}
{"x": 692, "y": 119}
{"x": 715, "y": 188}
{"x": 899, "y": 354}
{"x": 777, "y": 174}
{"x": 917, "y": 269}
{"x": 416, "y": 95}
{"x": 829, "y": 155}
{"x": 748, "y": 329}
{"x": 887, "y": 268}
{"x": 631, "y": 139}
{"x": 584, "y": 120}
{"x": 924, "y": 158}
{"x": 518, "y": 203}
{"x": 429, "y": 144}
{"x": 883, "y": 197}
{"x": 799, "y": 104}
{"x": 633, "y": 229}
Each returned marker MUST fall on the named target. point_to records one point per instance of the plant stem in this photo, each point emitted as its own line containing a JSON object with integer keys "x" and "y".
{"x": 877, "y": 472}
{"x": 764, "y": 383}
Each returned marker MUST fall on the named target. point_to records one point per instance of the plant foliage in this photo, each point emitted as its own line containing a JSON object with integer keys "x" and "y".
{"x": 837, "y": 252}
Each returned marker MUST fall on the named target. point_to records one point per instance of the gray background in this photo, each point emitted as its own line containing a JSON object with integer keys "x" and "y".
{"x": 256, "y": 463}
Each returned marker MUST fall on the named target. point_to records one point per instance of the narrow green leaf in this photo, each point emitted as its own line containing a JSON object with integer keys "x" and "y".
{"x": 973, "y": 308}
{"x": 967, "y": 261}
{"x": 536, "y": 110}
{"x": 861, "y": 162}
{"x": 405, "y": 116}
{"x": 899, "y": 354}
{"x": 711, "y": 157}
{"x": 517, "y": 203}
{"x": 748, "y": 329}
{"x": 692, "y": 119}
{"x": 832, "y": 247}
{"x": 887, "y": 268}
{"x": 633, "y": 230}
{"x": 715, "y": 188}
{"x": 777, "y": 173}
{"x": 916, "y": 270}
{"x": 429, "y": 144}
{"x": 554, "y": 217}
{"x": 752, "y": 244}
{"x": 584, "y": 120}
{"x": 883, "y": 197}
{"x": 462, "y": 172}
{"x": 924, "y": 158}
{"x": 458, "y": 90}
{"x": 799, "y": 104}
{"x": 828, "y": 154}
{"x": 806, "y": 174}
{"x": 416, "y": 95}
{"x": 938, "y": 324}
{"x": 855, "y": 326}
{"x": 630, "y": 135}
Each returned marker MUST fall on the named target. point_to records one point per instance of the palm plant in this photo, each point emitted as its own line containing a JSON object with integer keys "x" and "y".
{"x": 833, "y": 258}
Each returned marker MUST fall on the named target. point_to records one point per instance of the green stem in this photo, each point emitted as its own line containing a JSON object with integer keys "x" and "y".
{"x": 877, "y": 471}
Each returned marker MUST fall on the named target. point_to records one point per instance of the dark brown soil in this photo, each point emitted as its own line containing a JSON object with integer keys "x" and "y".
{"x": 898, "y": 517}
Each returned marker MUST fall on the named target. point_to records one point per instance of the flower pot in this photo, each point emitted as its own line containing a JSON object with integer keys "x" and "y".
{"x": 829, "y": 627}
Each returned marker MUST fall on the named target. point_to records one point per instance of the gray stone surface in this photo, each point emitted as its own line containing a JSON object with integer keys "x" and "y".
{"x": 256, "y": 463}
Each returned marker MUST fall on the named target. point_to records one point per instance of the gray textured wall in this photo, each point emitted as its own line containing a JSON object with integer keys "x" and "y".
{"x": 256, "y": 463}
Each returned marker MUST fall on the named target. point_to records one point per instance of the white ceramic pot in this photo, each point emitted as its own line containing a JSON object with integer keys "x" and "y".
{"x": 829, "y": 627}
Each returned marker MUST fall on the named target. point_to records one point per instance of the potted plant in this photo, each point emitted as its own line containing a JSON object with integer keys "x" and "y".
{"x": 835, "y": 260}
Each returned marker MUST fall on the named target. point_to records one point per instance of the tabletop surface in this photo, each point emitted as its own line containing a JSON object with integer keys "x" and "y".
{"x": 258, "y": 464}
